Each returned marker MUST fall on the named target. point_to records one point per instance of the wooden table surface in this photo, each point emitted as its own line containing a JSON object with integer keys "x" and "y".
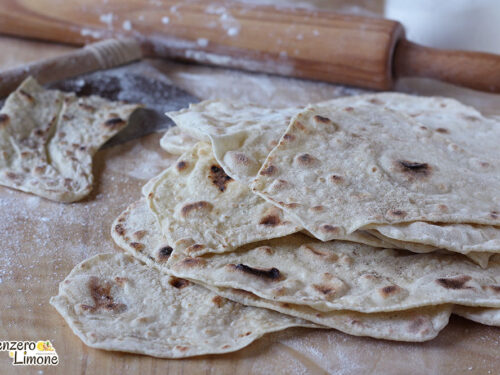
{"x": 41, "y": 241}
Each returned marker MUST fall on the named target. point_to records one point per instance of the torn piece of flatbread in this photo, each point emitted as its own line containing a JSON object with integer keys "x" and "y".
{"x": 244, "y": 136}
{"x": 176, "y": 141}
{"x": 137, "y": 232}
{"x": 48, "y": 139}
{"x": 339, "y": 170}
{"x": 115, "y": 302}
{"x": 338, "y": 275}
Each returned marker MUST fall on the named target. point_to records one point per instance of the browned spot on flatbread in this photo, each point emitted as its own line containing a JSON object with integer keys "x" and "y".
{"x": 194, "y": 248}
{"x": 266, "y": 249}
{"x": 285, "y": 305}
{"x": 87, "y": 107}
{"x": 413, "y": 169}
{"x": 417, "y": 324}
{"x": 270, "y": 220}
{"x": 493, "y": 288}
{"x": 376, "y": 101}
{"x": 103, "y": 300}
{"x": 120, "y": 229}
{"x": 226, "y": 346}
{"x": 457, "y": 282}
{"x": 268, "y": 171}
{"x": 121, "y": 280}
{"x": 306, "y": 160}
{"x": 325, "y": 255}
{"x": 318, "y": 208}
{"x": 299, "y": 125}
{"x": 443, "y": 208}
{"x": 272, "y": 274}
{"x": 245, "y": 334}
{"x": 4, "y": 120}
{"x": 494, "y": 214}
{"x": 139, "y": 235}
{"x": 178, "y": 283}
{"x": 327, "y": 228}
{"x": 348, "y": 109}
{"x": 27, "y": 96}
{"x": 389, "y": 290}
{"x": 336, "y": 179}
{"x": 219, "y": 301}
{"x": 164, "y": 253}
{"x": 137, "y": 246}
{"x": 40, "y": 169}
{"x": 322, "y": 119}
{"x": 325, "y": 289}
{"x": 240, "y": 158}
{"x": 291, "y": 204}
{"x": 181, "y": 348}
{"x": 288, "y": 137}
{"x": 245, "y": 293}
{"x": 114, "y": 123}
{"x": 68, "y": 183}
{"x": 181, "y": 165}
{"x": 443, "y": 130}
{"x": 219, "y": 178}
{"x": 396, "y": 213}
{"x": 201, "y": 205}
{"x": 192, "y": 262}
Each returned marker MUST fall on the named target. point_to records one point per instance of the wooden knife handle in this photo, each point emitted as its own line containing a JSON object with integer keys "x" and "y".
{"x": 96, "y": 56}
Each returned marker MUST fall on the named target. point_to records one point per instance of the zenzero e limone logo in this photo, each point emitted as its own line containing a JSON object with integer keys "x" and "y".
{"x": 30, "y": 353}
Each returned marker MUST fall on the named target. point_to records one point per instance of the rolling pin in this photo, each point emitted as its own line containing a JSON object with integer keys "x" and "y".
{"x": 345, "y": 49}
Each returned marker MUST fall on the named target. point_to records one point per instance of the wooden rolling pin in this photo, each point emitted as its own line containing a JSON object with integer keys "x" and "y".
{"x": 326, "y": 46}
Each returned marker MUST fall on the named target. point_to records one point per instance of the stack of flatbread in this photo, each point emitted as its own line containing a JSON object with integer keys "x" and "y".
{"x": 376, "y": 215}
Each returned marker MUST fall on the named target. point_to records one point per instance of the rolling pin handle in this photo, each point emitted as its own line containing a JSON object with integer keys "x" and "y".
{"x": 475, "y": 70}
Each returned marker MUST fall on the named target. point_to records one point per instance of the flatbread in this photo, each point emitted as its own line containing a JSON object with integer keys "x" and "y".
{"x": 263, "y": 128}
{"x": 48, "y": 139}
{"x": 201, "y": 209}
{"x": 374, "y": 176}
{"x": 115, "y": 302}
{"x": 176, "y": 141}
{"x": 338, "y": 275}
{"x": 489, "y": 317}
{"x": 138, "y": 233}
{"x": 454, "y": 237}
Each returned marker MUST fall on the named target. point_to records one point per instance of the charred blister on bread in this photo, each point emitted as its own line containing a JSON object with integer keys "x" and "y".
{"x": 456, "y": 283}
{"x": 414, "y": 169}
{"x": 178, "y": 283}
{"x": 196, "y": 206}
{"x": 219, "y": 178}
{"x": 4, "y": 120}
{"x": 164, "y": 253}
{"x": 114, "y": 123}
{"x": 100, "y": 291}
{"x": 268, "y": 274}
{"x": 269, "y": 170}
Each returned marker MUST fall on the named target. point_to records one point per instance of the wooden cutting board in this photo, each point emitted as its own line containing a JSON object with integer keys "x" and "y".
{"x": 41, "y": 241}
